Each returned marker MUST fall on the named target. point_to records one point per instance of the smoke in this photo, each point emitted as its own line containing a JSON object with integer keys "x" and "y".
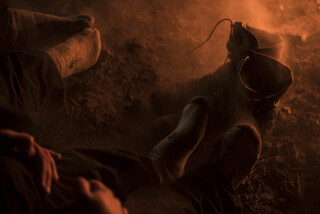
{"x": 167, "y": 29}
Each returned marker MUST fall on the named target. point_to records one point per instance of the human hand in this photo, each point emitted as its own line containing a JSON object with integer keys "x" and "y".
{"x": 100, "y": 198}
{"x": 24, "y": 145}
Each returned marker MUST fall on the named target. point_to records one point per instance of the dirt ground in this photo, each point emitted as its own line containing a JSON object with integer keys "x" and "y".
{"x": 144, "y": 49}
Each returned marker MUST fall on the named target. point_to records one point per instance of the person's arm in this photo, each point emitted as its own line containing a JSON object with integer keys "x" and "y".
{"x": 23, "y": 145}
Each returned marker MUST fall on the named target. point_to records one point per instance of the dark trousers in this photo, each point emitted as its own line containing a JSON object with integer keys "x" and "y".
{"x": 132, "y": 178}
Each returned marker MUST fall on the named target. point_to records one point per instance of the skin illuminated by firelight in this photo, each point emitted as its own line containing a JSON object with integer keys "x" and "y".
{"x": 100, "y": 198}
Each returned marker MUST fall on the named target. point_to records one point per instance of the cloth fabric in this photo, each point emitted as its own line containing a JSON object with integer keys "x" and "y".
{"x": 7, "y": 34}
{"x": 4, "y": 23}
{"x": 31, "y": 90}
{"x": 19, "y": 193}
{"x": 204, "y": 190}
{"x": 130, "y": 177}
{"x": 121, "y": 171}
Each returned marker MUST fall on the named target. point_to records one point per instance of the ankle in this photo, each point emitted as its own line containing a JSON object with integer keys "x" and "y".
{"x": 78, "y": 53}
{"x": 172, "y": 153}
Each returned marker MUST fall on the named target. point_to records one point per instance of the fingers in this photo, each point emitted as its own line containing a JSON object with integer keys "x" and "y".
{"x": 55, "y": 155}
{"x": 84, "y": 186}
{"x": 18, "y": 142}
{"x": 100, "y": 197}
{"x": 124, "y": 210}
{"x": 47, "y": 169}
{"x": 25, "y": 145}
{"x": 53, "y": 167}
{"x": 48, "y": 179}
{"x": 51, "y": 155}
{"x": 54, "y": 171}
{"x": 92, "y": 186}
{"x": 98, "y": 186}
{"x": 43, "y": 168}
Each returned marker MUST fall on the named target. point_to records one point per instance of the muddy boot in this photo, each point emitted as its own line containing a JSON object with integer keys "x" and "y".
{"x": 239, "y": 150}
{"x": 28, "y": 30}
{"x": 171, "y": 154}
{"x": 78, "y": 53}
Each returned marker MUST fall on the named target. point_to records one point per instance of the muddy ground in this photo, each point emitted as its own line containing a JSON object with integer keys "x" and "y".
{"x": 144, "y": 49}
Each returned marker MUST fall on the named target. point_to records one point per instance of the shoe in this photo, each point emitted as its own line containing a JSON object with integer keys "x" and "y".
{"x": 254, "y": 54}
{"x": 243, "y": 38}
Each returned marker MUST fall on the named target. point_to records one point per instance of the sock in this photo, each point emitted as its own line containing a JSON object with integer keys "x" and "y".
{"x": 171, "y": 154}
{"x": 78, "y": 53}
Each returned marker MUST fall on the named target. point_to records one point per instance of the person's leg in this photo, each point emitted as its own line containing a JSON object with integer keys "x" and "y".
{"x": 31, "y": 90}
{"x": 239, "y": 150}
{"x": 31, "y": 82}
{"x": 69, "y": 41}
{"x": 171, "y": 154}
{"x": 76, "y": 54}
{"x": 209, "y": 188}
{"x": 28, "y": 30}
{"x": 124, "y": 172}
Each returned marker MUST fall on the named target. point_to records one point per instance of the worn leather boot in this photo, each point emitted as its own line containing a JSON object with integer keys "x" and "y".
{"x": 262, "y": 78}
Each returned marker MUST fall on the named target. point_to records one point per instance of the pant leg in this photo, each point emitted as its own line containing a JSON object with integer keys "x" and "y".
{"x": 19, "y": 193}
{"x": 7, "y": 35}
{"x": 121, "y": 171}
{"x": 204, "y": 190}
{"x": 31, "y": 90}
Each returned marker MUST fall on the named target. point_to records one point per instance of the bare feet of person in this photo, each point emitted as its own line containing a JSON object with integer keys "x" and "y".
{"x": 171, "y": 154}
{"x": 238, "y": 152}
{"x": 78, "y": 53}
{"x": 34, "y": 30}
